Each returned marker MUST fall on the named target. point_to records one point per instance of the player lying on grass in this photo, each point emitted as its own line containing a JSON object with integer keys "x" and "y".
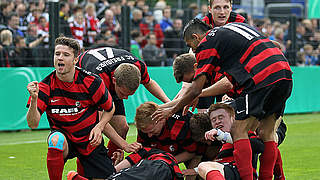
{"x": 147, "y": 163}
{"x": 220, "y": 117}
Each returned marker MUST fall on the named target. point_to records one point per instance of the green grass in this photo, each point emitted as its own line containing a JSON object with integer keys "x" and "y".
{"x": 23, "y": 154}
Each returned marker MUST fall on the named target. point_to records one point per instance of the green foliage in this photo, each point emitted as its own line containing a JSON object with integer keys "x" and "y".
{"x": 23, "y": 154}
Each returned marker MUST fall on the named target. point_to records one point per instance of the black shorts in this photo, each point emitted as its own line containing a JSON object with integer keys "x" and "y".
{"x": 96, "y": 165}
{"x": 145, "y": 169}
{"x": 263, "y": 102}
{"x": 231, "y": 172}
{"x": 118, "y": 103}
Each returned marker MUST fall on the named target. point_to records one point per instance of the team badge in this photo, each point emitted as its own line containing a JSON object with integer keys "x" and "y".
{"x": 78, "y": 104}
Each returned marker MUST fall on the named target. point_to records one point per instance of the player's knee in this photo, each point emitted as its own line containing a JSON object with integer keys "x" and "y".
{"x": 56, "y": 140}
{"x": 206, "y": 167}
{"x": 124, "y": 131}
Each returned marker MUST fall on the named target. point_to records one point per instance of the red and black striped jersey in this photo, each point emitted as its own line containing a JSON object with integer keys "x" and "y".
{"x": 103, "y": 61}
{"x": 174, "y": 138}
{"x": 71, "y": 107}
{"x": 234, "y": 17}
{"x": 246, "y": 57}
{"x": 156, "y": 154}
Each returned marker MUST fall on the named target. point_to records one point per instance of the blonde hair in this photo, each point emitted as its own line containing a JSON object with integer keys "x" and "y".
{"x": 224, "y": 106}
{"x": 143, "y": 114}
{"x": 6, "y": 37}
{"x": 127, "y": 75}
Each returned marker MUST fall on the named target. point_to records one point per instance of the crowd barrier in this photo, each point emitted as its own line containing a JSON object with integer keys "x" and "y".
{"x": 305, "y": 96}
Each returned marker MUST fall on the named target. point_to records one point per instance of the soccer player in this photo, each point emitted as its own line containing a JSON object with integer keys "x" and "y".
{"x": 70, "y": 97}
{"x": 220, "y": 117}
{"x": 172, "y": 135}
{"x": 255, "y": 67}
{"x": 220, "y": 13}
{"x": 120, "y": 71}
{"x": 147, "y": 163}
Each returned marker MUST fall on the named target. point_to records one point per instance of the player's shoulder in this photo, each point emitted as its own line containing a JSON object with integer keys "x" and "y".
{"x": 85, "y": 75}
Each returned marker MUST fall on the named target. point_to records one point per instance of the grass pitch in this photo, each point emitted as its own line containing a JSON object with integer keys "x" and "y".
{"x": 23, "y": 154}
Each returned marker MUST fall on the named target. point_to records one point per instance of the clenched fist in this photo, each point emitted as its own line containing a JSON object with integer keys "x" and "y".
{"x": 33, "y": 89}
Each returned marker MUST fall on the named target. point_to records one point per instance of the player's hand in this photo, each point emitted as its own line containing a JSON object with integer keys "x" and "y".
{"x": 133, "y": 147}
{"x": 117, "y": 156}
{"x": 210, "y": 135}
{"x": 162, "y": 114}
{"x": 95, "y": 136}
{"x": 189, "y": 172}
{"x": 226, "y": 98}
{"x": 33, "y": 89}
{"x": 193, "y": 104}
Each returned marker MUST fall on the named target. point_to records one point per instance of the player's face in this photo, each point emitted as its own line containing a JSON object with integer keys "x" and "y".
{"x": 154, "y": 129}
{"x": 123, "y": 92}
{"x": 192, "y": 43}
{"x": 64, "y": 59}
{"x": 221, "y": 119}
{"x": 220, "y": 10}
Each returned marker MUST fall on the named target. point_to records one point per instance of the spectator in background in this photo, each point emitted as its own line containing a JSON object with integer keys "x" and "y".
{"x": 150, "y": 25}
{"x": 116, "y": 9}
{"x": 309, "y": 30}
{"x": 34, "y": 16}
{"x": 13, "y": 24}
{"x": 194, "y": 9}
{"x": 136, "y": 19}
{"x": 203, "y": 11}
{"x": 21, "y": 12}
{"x": 36, "y": 42}
{"x": 77, "y": 8}
{"x": 109, "y": 23}
{"x": 173, "y": 42}
{"x": 22, "y": 55}
{"x": 63, "y": 19}
{"x": 5, "y": 9}
{"x": 166, "y": 22}
{"x": 91, "y": 22}
{"x": 6, "y": 40}
{"x": 310, "y": 57}
{"x": 78, "y": 28}
{"x": 135, "y": 48}
{"x": 153, "y": 55}
{"x": 279, "y": 37}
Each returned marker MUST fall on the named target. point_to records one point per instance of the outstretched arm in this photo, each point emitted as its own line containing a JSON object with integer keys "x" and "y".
{"x": 33, "y": 115}
{"x": 154, "y": 88}
{"x": 123, "y": 164}
{"x": 218, "y": 88}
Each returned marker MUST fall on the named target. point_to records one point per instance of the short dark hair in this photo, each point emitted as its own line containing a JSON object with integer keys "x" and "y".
{"x": 183, "y": 64}
{"x": 66, "y": 41}
{"x": 211, "y": 1}
{"x": 199, "y": 125}
{"x": 195, "y": 26}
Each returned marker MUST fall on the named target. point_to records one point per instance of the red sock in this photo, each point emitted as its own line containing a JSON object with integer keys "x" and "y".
{"x": 214, "y": 175}
{"x": 268, "y": 160}
{"x": 112, "y": 147}
{"x": 278, "y": 170}
{"x": 55, "y": 163}
{"x": 80, "y": 169}
{"x": 243, "y": 158}
{"x": 79, "y": 177}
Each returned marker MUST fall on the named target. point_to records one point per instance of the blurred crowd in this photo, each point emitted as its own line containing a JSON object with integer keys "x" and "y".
{"x": 155, "y": 32}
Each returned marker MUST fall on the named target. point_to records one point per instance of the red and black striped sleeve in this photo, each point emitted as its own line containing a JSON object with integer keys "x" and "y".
{"x": 145, "y": 78}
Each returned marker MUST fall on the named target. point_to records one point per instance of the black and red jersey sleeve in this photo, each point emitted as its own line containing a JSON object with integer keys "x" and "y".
{"x": 145, "y": 78}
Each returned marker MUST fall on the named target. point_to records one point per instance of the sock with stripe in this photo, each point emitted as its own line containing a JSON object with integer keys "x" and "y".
{"x": 243, "y": 158}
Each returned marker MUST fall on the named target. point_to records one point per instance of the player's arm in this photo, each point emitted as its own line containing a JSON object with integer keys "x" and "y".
{"x": 192, "y": 92}
{"x": 119, "y": 141}
{"x": 33, "y": 115}
{"x": 218, "y": 88}
{"x": 184, "y": 156}
{"x": 154, "y": 88}
{"x": 122, "y": 165}
{"x": 183, "y": 89}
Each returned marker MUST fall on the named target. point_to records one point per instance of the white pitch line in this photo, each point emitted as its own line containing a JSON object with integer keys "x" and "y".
{"x": 38, "y": 141}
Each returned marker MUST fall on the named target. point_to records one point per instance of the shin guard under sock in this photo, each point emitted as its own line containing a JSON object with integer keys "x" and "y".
{"x": 214, "y": 175}
{"x": 268, "y": 160}
{"x": 243, "y": 158}
{"x": 55, "y": 163}
{"x": 278, "y": 169}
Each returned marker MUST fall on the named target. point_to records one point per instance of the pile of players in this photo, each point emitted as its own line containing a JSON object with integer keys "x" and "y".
{"x": 83, "y": 99}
